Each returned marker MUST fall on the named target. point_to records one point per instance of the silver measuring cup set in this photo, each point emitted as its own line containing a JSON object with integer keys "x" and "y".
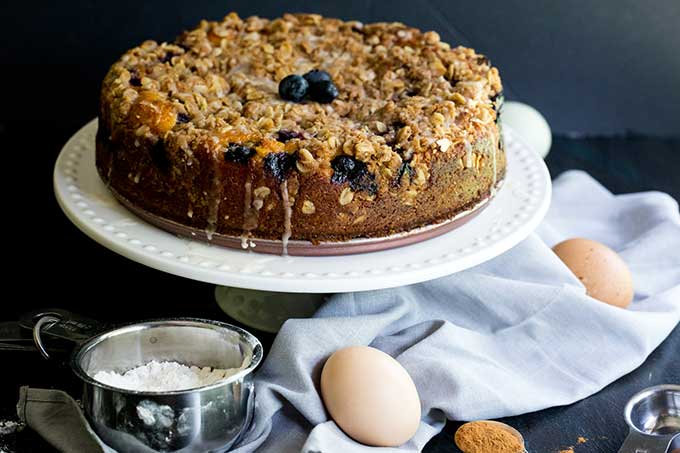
{"x": 209, "y": 418}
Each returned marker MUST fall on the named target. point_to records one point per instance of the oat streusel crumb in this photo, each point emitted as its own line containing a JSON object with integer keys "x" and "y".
{"x": 394, "y": 131}
{"x": 403, "y": 94}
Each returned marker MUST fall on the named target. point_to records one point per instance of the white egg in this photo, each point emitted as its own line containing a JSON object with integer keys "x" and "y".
{"x": 370, "y": 396}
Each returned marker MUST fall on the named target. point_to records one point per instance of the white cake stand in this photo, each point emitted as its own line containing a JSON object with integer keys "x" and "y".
{"x": 511, "y": 216}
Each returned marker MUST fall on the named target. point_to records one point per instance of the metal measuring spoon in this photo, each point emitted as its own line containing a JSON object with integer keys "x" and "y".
{"x": 505, "y": 427}
{"x": 653, "y": 416}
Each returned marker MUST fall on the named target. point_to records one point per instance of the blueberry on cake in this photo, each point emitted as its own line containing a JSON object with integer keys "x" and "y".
{"x": 301, "y": 127}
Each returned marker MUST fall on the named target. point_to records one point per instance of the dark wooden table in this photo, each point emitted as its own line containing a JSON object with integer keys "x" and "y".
{"x": 50, "y": 263}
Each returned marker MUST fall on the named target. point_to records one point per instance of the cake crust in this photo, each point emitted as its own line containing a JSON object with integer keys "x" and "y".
{"x": 417, "y": 115}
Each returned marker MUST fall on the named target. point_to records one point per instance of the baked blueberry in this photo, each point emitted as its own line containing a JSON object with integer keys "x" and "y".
{"x": 355, "y": 172}
{"x": 279, "y": 165}
{"x": 293, "y": 88}
{"x": 239, "y": 154}
{"x": 342, "y": 166}
{"x": 324, "y": 91}
{"x": 284, "y": 135}
{"x": 183, "y": 118}
{"x": 316, "y": 76}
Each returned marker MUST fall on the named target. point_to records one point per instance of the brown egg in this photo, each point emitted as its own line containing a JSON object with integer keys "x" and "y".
{"x": 601, "y": 270}
{"x": 370, "y": 396}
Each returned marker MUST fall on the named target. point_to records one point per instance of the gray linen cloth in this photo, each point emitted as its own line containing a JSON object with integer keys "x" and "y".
{"x": 58, "y": 419}
{"x": 513, "y": 335}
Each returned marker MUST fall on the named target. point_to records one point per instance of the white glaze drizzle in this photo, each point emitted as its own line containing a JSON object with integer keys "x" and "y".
{"x": 214, "y": 200}
{"x": 287, "y": 214}
{"x": 250, "y": 215}
{"x": 246, "y": 212}
{"x": 252, "y": 204}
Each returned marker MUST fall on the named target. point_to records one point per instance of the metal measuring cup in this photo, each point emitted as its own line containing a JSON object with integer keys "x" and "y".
{"x": 653, "y": 416}
{"x": 209, "y": 418}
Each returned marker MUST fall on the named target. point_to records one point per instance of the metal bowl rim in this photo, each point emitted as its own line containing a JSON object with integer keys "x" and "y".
{"x": 641, "y": 395}
{"x": 79, "y": 351}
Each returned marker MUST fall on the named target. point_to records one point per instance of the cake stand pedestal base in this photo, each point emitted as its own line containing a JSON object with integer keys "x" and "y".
{"x": 266, "y": 310}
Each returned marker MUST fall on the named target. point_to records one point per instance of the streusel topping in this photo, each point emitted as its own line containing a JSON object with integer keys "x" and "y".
{"x": 403, "y": 94}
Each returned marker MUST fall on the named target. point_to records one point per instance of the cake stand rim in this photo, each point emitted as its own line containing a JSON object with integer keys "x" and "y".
{"x": 87, "y": 222}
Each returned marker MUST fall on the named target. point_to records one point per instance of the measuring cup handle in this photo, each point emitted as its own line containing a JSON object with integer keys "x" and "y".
{"x": 40, "y": 323}
{"x": 59, "y": 324}
{"x": 637, "y": 442}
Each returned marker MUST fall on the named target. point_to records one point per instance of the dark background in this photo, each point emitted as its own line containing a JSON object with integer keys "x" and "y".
{"x": 608, "y": 71}
{"x": 592, "y": 67}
